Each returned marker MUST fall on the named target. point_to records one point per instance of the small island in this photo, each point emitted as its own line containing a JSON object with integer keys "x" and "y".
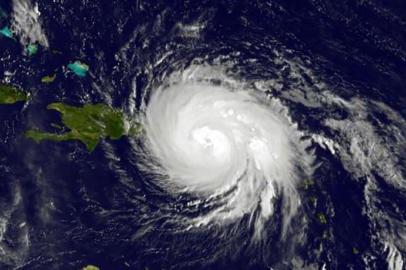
{"x": 90, "y": 267}
{"x": 88, "y": 124}
{"x": 10, "y": 94}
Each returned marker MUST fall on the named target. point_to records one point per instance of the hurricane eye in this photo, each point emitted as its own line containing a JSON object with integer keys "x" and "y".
{"x": 211, "y": 140}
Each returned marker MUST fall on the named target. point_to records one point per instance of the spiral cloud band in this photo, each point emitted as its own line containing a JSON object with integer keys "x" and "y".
{"x": 210, "y": 139}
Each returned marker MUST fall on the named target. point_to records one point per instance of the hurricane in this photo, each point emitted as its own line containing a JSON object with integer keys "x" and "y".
{"x": 225, "y": 143}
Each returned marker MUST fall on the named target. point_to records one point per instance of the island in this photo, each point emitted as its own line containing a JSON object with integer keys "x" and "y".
{"x": 5, "y": 31}
{"x": 48, "y": 78}
{"x": 10, "y": 94}
{"x": 79, "y": 68}
{"x": 90, "y": 267}
{"x": 88, "y": 124}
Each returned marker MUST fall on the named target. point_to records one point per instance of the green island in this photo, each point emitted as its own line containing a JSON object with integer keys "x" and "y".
{"x": 10, "y": 94}
{"x": 307, "y": 183}
{"x": 90, "y": 267}
{"x": 322, "y": 218}
{"x": 48, "y": 78}
{"x": 88, "y": 124}
{"x": 32, "y": 49}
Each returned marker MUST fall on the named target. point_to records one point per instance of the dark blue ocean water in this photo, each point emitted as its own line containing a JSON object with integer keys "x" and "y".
{"x": 66, "y": 208}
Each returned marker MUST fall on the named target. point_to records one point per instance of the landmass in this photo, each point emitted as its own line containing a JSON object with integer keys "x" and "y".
{"x": 48, "y": 78}
{"x": 10, "y": 94}
{"x": 79, "y": 68}
{"x": 90, "y": 267}
{"x": 307, "y": 183}
{"x": 322, "y": 218}
{"x": 32, "y": 49}
{"x": 88, "y": 124}
{"x": 5, "y": 31}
